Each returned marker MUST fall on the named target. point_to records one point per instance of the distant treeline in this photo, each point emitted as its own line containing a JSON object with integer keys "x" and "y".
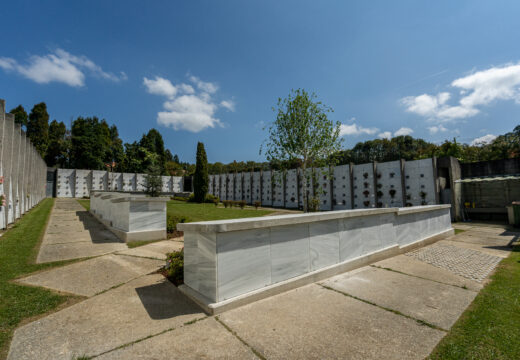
{"x": 91, "y": 144}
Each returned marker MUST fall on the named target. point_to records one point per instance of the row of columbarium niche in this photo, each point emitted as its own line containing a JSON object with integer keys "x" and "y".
{"x": 77, "y": 183}
{"x": 22, "y": 171}
{"x": 373, "y": 185}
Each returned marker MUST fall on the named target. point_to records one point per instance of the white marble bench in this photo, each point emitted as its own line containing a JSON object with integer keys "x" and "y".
{"x": 232, "y": 262}
{"x": 130, "y": 217}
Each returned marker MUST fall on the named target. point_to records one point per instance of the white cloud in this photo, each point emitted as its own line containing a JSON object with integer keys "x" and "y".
{"x": 206, "y": 87}
{"x": 403, "y": 131}
{"x": 436, "y": 129}
{"x": 59, "y": 66}
{"x": 385, "y": 135}
{"x": 228, "y": 104}
{"x": 186, "y": 108}
{"x": 479, "y": 89}
{"x": 354, "y": 129}
{"x": 160, "y": 86}
{"x": 483, "y": 140}
{"x": 188, "y": 112}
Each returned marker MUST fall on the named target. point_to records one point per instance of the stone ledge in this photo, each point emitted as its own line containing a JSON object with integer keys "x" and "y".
{"x": 212, "y": 308}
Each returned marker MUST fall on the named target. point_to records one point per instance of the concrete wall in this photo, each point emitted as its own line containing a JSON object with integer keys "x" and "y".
{"x": 79, "y": 183}
{"x": 491, "y": 168}
{"x": 230, "y": 258}
{"x": 371, "y": 185}
{"x": 22, "y": 170}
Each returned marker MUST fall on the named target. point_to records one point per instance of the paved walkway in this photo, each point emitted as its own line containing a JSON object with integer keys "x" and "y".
{"x": 398, "y": 308}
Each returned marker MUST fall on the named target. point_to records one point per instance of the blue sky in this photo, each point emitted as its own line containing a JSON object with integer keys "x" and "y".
{"x": 211, "y": 71}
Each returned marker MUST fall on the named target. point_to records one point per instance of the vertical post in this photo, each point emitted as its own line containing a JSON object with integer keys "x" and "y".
{"x": 261, "y": 186}
{"x": 298, "y": 187}
{"x": 374, "y": 171}
{"x": 351, "y": 178}
{"x": 435, "y": 180}
{"x": 403, "y": 182}
{"x": 331, "y": 185}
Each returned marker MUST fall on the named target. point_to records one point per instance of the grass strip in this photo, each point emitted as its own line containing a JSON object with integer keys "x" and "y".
{"x": 18, "y": 250}
{"x": 490, "y": 326}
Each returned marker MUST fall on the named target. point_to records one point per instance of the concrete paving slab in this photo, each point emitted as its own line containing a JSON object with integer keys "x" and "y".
{"x": 411, "y": 266}
{"x": 435, "y": 303}
{"x": 206, "y": 339}
{"x": 78, "y": 250}
{"x": 502, "y": 251}
{"x": 316, "y": 323}
{"x": 142, "y": 307}
{"x": 482, "y": 239}
{"x": 92, "y": 276}
{"x": 156, "y": 250}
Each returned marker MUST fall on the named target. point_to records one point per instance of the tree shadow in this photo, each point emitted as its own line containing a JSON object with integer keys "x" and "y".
{"x": 164, "y": 301}
{"x": 99, "y": 233}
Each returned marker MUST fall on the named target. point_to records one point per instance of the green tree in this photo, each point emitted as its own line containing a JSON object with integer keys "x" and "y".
{"x": 90, "y": 143}
{"x": 153, "y": 180}
{"x": 302, "y": 133}
{"x": 154, "y": 143}
{"x": 20, "y": 115}
{"x": 57, "y": 148}
{"x": 201, "y": 178}
{"x": 38, "y": 128}
{"x": 116, "y": 150}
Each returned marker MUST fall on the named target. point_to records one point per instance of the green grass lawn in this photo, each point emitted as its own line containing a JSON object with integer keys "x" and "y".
{"x": 490, "y": 327}
{"x": 18, "y": 250}
{"x": 85, "y": 203}
{"x": 206, "y": 212}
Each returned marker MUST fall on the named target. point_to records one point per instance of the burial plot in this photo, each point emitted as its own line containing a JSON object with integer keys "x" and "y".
{"x": 389, "y": 190}
{"x": 363, "y": 181}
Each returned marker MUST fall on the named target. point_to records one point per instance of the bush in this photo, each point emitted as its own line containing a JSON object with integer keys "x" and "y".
{"x": 226, "y": 203}
{"x": 172, "y": 221}
{"x": 257, "y": 204}
{"x": 175, "y": 267}
{"x": 242, "y": 204}
{"x": 191, "y": 198}
{"x": 210, "y": 199}
{"x": 179, "y": 198}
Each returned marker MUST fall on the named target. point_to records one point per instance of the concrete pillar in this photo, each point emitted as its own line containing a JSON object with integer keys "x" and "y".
{"x": 17, "y": 137}
{"x": 8, "y": 159}
{"x": 403, "y": 183}
{"x": 2, "y": 172}
{"x": 351, "y": 176}
{"x": 21, "y": 187}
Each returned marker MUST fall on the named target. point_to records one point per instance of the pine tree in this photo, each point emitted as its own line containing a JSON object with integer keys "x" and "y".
{"x": 200, "y": 178}
{"x": 38, "y": 128}
{"x": 20, "y": 116}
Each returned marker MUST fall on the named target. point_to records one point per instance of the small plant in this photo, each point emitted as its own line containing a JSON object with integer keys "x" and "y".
{"x": 379, "y": 193}
{"x": 379, "y": 175}
{"x": 257, "y": 204}
{"x": 216, "y": 201}
{"x": 392, "y": 193}
{"x": 314, "y": 204}
{"x": 242, "y": 204}
{"x": 409, "y": 204}
{"x": 366, "y": 203}
{"x": 174, "y": 267}
{"x": 365, "y": 175}
{"x": 172, "y": 221}
{"x": 366, "y": 193}
{"x": 423, "y": 195}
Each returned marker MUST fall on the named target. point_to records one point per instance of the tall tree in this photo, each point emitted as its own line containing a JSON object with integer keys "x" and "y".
{"x": 302, "y": 133}
{"x": 20, "y": 115}
{"x": 201, "y": 178}
{"x": 116, "y": 149}
{"x": 38, "y": 128}
{"x": 154, "y": 143}
{"x": 57, "y": 149}
{"x": 90, "y": 143}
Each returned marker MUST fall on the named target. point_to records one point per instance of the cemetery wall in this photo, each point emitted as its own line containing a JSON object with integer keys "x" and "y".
{"x": 372, "y": 185}
{"x": 76, "y": 183}
{"x": 23, "y": 172}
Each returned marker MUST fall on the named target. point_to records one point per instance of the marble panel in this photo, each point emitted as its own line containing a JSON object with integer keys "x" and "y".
{"x": 341, "y": 188}
{"x": 324, "y": 244}
{"x": 177, "y": 184}
{"x": 266, "y": 189}
{"x": 147, "y": 216}
{"x": 289, "y": 252}
{"x": 363, "y": 183}
{"x": 389, "y": 184}
{"x": 244, "y": 262}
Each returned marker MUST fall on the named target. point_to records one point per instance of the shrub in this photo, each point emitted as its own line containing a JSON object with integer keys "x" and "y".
{"x": 257, "y": 204}
{"x": 179, "y": 198}
{"x": 173, "y": 220}
{"x": 423, "y": 195}
{"x": 242, "y": 204}
{"x": 314, "y": 204}
{"x": 175, "y": 267}
{"x": 191, "y": 198}
{"x": 365, "y": 175}
{"x": 226, "y": 203}
{"x": 366, "y": 203}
